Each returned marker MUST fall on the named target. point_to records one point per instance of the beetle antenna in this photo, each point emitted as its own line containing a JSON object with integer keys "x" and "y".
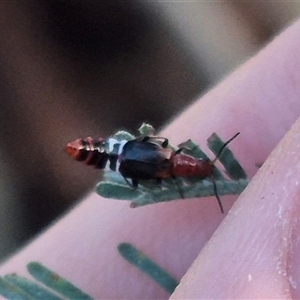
{"x": 223, "y": 147}
{"x": 216, "y": 194}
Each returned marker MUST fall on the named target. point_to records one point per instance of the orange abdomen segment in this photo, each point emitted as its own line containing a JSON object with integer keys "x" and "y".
{"x": 88, "y": 151}
{"x": 188, "y": 166}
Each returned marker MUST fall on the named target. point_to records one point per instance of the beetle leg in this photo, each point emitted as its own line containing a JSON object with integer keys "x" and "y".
{"x": 184, "y": 145}
{"x": 165, "y": 143}
{"x": 135, "y": 183}
{"x": 128, "y": 182}
{"x": 147, "y": 138}
{"x": 144, "y": 139}
{"x": 178, "y": 151}
{"x": 178, "y": 187}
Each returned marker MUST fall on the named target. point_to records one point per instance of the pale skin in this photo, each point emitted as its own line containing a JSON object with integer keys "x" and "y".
{"x": 254, "y": 252}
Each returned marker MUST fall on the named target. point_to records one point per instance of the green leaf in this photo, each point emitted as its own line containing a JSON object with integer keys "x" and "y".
{"x": 31, "y": 288}
{"x": 149, "y": 193}
{"x": 55, "y": 282}
{"x": 123, "y": 135}
{"x": 116, "y": 187}
{"x": 148, "y": 266}
{"x": 14, "y": 292}
{"x": 146, "y": 129}
{"x": 232, "y": 166}
{"x": 16, "y": 287}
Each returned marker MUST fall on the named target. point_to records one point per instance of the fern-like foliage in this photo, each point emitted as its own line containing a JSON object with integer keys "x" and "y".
{"x": 235, "y": 180}
{"x": 48, "y": 285}
{"x": 138, "y": 259}
{"x": 52, "y": 287}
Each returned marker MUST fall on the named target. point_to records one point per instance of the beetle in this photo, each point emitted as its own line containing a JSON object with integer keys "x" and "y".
{"x": 144, "y": 158}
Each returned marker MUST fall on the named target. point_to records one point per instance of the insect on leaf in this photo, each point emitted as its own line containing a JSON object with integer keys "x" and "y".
{"x": 114, "y": 186}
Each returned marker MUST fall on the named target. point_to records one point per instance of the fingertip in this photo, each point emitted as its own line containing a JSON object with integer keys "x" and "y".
{"x": 254, "y": 252}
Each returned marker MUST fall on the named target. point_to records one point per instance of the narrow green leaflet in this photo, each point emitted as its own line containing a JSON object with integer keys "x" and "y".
{"x": 148, "y": 266}
{"x": 11, "y": 291}
{"x": 34, "y": 290}
{"x": 54, "y": 287}
{"x": 15, "y": 287}
{"x": 232, "y": 182}
{"x": 55, "y": 282}
{"x": 146, "y": 129}
{"x": 113, "y": 186}
{"x": 232, "y": 166}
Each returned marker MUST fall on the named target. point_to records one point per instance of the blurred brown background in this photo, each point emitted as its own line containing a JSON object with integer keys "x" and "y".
{"x": 70, "y": 69}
